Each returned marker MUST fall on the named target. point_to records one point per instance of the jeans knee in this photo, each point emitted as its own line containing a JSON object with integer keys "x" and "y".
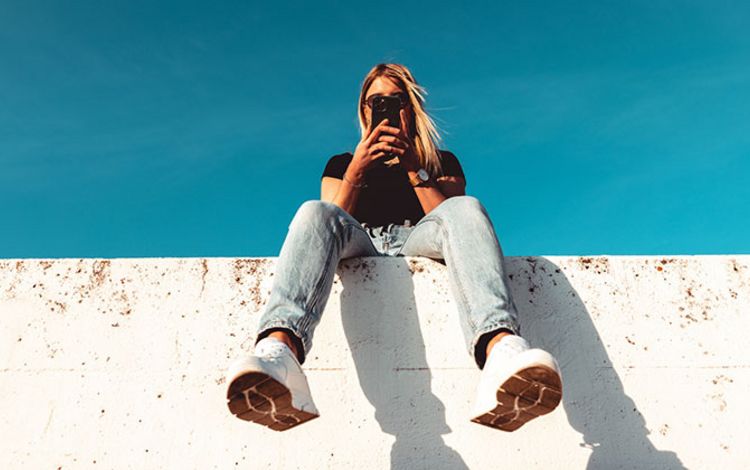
{"x": 463, "y": 206}
{"x": 314, "y": 211}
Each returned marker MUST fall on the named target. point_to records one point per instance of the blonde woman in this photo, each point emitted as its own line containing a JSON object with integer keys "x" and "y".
{"x": 396, "y": 195}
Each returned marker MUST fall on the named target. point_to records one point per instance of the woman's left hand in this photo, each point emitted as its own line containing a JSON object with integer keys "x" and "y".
{"x": 401, "y": 144}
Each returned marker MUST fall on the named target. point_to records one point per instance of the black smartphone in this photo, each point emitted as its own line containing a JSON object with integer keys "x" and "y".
{"x": 386, "y": 107}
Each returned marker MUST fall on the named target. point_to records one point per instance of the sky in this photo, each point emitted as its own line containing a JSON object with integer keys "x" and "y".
{"x": 186, "y": 129}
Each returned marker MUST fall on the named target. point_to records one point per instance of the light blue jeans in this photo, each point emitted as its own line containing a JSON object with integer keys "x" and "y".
{"x": 458, "y": 231}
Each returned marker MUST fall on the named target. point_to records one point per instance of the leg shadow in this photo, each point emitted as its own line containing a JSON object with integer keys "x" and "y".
{"x": 554, "y": 317}
{"x": 389, "y": 356}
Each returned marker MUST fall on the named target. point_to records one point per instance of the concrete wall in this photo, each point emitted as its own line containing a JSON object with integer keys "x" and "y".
{"x": 119, "y": 364}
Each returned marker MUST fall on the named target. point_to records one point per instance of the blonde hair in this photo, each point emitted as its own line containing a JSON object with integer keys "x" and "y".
{"x": 426, "y": 137}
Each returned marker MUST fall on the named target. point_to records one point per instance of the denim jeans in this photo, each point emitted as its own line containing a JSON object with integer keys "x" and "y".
{"x": 457, "y": 231}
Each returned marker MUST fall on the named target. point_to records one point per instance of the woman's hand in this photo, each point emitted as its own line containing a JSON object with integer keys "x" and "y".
{"x": 371, "y": 149}
{"x": 400, "y": 144}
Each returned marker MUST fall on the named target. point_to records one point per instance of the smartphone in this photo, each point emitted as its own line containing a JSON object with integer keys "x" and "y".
{"x": 386, "y": 107}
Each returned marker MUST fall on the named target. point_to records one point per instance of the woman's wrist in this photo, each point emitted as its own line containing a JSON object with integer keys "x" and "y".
{"x": 355, "y": 177}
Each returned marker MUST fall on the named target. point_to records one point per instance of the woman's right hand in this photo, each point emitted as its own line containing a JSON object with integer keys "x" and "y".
{"x": 370, "y": 150}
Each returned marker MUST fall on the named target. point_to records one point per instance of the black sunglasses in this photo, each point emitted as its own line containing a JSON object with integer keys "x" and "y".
{"x": 403, "y": 99}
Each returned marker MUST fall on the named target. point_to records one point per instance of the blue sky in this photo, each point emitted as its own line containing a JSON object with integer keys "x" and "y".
{"x": 149, "y": 129}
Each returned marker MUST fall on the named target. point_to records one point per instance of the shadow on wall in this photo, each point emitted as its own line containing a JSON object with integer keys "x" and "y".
{"x": 552, "y": 317}
{"x": 405, "y": 406}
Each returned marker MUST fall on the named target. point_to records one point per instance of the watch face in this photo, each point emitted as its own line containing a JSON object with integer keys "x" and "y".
{"x": 423, "y": 175}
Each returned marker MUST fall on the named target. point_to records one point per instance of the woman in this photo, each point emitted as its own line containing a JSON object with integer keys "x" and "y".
{"x": 396, "y": 195}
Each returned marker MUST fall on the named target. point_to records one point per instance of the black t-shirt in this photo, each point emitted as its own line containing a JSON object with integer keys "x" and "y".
{"x": 389, "y": 196}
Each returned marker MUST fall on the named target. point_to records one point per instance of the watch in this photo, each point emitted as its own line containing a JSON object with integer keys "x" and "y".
{"x": 421, "y": 177}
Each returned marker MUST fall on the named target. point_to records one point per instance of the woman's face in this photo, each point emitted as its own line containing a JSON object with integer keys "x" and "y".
{"x": 385, "y": 86}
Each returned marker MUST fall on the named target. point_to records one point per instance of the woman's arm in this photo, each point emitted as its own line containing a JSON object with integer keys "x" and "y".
{"x": 434, "y": 192}
{"x": 343, "y": 193}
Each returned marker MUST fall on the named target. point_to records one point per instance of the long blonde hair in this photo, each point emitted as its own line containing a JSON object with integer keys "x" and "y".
{"x": 426, "y": 138}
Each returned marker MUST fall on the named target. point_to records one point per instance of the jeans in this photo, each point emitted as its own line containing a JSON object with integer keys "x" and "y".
{"x": 457, "y": 231}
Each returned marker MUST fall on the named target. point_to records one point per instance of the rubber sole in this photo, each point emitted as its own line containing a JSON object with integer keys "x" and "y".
{"x": 528, "y": 394}
{"x": 260, "y": 398}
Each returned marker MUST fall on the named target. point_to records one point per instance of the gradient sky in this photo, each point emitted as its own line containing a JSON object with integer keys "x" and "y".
{"x": 150, "y": 129}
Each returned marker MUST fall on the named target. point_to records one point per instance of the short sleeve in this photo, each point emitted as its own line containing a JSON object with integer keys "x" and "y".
{"x": 337, "y": 165}
{"x": 450, "y": 165}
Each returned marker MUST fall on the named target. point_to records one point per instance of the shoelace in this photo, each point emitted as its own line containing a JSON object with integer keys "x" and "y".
{"x": 510, "y": 346}
{"x": 272, "y": 350}
{"x": 515, "y": 346}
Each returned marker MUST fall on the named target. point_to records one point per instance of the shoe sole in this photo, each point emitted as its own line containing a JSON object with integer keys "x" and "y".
{"x": 260, "y": 398}
{"x": 528, "y": 394}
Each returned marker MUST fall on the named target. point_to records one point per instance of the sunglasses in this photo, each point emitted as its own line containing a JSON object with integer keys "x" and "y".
{"x": 403, "y": 99}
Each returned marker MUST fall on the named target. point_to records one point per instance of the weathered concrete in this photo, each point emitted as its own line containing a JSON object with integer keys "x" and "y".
{"x": 118, "y": 364}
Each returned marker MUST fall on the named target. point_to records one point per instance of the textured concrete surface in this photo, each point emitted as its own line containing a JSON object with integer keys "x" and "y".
{"x": 119, "y": 364}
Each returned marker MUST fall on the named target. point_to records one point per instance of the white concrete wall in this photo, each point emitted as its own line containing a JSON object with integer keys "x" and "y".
{"x": 119, "y": 364}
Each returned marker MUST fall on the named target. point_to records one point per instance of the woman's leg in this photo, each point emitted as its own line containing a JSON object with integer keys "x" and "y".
{"x": 460, "y": 232}
{"x": 320, "y": 235}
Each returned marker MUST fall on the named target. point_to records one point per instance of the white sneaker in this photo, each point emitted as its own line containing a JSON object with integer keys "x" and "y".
{"x": 517, "y": 385}
{"x": 269, "y": 387}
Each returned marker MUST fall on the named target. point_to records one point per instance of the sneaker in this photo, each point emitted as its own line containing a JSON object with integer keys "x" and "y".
{"x": 517, "y": 385}
{"x": 270, "y": 388}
